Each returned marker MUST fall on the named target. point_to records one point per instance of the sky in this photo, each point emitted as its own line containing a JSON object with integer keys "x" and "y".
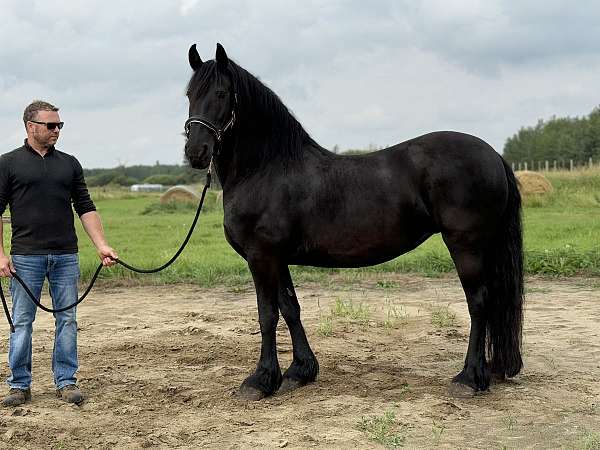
{"x": 356, "y": 74}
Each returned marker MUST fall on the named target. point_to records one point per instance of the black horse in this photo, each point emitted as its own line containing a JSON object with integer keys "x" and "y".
{"x": 289, "y": 201}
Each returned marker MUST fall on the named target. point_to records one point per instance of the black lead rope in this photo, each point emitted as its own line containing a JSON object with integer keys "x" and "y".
{"x": 119, "y": 261}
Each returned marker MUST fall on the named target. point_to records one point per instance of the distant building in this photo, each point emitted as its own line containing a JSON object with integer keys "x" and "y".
{"x": 146, "y": 188}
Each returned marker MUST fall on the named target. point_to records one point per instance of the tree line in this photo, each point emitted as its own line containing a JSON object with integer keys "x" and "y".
{"x": 157, "y": 174}
{"x": 557, "y": 139}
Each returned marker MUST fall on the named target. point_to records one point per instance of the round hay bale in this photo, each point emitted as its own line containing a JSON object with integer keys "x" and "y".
{"x": 531, "y": 183}
{"x": 180, "y": 193}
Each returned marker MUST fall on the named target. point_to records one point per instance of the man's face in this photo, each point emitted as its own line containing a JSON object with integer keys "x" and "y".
{"x": 40, "y": 132}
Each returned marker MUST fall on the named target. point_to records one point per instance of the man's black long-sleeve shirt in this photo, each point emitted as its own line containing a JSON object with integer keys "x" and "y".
{"x": 39, "y": 191}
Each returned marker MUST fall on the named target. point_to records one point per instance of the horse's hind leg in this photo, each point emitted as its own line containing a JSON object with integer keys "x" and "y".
{"x": 468, "y": 258}
{"x": 304, "y": 367}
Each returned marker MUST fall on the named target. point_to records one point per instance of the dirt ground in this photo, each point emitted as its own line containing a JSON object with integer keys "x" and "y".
{"x": 160, "y": 365}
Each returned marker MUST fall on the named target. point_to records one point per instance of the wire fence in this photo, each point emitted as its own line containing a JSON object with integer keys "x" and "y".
{"x": 555, "y": 165}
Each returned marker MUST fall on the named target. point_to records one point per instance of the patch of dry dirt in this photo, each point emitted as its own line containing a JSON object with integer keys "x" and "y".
{"x": 159, "y": 366}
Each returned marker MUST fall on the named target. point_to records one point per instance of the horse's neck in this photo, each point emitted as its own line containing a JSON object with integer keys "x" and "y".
{"x": 229, "y": 166}
{"x": 233, "y": 170}
{"x": 242, "y": 158}
{"x": 245, "y": 154}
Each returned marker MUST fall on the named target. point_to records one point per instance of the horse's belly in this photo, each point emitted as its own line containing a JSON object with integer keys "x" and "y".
{"x": 352, "y": 251}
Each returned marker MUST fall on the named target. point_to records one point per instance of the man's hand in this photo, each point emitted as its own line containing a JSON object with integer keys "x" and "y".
{"x": 6, "y": 267}
{"x": 107, "y": 255}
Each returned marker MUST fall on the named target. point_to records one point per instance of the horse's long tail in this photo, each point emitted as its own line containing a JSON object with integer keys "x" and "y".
{"x": 504, "y": 273}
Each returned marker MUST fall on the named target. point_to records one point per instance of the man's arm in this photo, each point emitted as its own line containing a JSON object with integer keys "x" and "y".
{"x": 93, "y": 227}
{"x": 6, "y": 267}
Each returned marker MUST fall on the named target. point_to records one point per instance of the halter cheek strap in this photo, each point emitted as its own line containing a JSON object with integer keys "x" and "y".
{"x": 218, "y": 132}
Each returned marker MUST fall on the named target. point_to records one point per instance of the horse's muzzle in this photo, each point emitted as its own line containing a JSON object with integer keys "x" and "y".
{"x": 201, "y": 159}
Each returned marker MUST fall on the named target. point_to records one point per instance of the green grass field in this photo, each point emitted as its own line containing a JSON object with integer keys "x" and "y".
{"x": 562, "y": 238}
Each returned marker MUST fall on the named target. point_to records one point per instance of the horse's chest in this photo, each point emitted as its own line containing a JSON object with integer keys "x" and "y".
{"x": 240, "y": 226}
{"x": 234, "y": 241}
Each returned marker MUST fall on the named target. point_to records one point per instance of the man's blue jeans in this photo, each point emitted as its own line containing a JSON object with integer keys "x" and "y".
{"x": 62, "y": 272}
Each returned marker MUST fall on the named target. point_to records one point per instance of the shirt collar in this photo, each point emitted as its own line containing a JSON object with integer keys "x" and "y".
{"x": 31, "y": 149}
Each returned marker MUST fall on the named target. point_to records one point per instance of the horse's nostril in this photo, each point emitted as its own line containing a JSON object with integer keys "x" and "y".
{"x": 205, "y": 147}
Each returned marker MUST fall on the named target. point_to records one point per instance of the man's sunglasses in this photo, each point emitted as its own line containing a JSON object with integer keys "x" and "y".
{"x": 50, "y": 125}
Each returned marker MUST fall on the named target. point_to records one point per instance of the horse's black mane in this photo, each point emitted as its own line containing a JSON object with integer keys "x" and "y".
{"x": 259, "y": 113}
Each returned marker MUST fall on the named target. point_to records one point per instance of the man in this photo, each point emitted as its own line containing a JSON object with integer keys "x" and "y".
{"x": 39, "y": 183}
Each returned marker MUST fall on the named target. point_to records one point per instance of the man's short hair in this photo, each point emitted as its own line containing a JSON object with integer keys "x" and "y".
{"x": 34, "y": 107}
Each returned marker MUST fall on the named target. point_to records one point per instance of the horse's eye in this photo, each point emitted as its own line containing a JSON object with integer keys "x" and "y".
{"x": 221, "y": 94}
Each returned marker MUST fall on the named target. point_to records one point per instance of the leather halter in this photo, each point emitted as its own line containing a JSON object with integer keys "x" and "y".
{"x": 218, "y": 132}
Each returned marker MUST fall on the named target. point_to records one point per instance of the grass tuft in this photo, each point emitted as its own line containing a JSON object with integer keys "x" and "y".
{"x": 395, "y": 316}
{"x": 442, "y": 317}
{"x": 348, "y": 310}
{"x": 325, "y": 328}
{"x": 589, "y": 441}
{"x": 384, "y": 429}
{"x": 437, "y": 430}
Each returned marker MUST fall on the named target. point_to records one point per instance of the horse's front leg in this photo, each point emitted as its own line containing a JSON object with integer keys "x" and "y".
{"x": 304, "y": 367}
{"x": 267, "y": 377}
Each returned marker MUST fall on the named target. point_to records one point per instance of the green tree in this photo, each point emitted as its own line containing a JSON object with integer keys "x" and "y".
{"x": 557, "y": 139}
{"x": 162, "y": 178}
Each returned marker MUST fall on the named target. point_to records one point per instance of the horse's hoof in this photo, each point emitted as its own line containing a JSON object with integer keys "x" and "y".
{"x": 287, "y": 385}
{"x": 250, "y": 394}
{"x": 459, "y": 390}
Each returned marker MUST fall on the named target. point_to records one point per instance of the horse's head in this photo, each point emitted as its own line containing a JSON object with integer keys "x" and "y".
{"x": 212, "y": 107}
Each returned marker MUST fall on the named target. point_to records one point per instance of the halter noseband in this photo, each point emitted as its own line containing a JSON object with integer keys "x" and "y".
{"x": 218, "y": 132}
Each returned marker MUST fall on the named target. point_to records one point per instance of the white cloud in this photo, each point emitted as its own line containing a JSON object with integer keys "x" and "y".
{"x": 187, "y": 6}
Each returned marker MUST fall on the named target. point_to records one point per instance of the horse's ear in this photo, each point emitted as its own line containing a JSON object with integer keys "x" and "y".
{"x": 194, "y": 57}
{"x": 222, "y": 59}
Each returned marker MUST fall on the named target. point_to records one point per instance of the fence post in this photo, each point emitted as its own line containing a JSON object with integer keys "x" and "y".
{"x": 571, "y": 165}
{"x": 519, "y": 166}
{"x": 525, "y": 165}
{"x": 591, "y": 163}
{"x": 512, "y": 166}
{"x": 547, "y": 165}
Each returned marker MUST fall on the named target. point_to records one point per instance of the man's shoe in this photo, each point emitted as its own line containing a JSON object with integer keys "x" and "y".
{"x": 17, "y": 397}
{"x": 70, "y": 394}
